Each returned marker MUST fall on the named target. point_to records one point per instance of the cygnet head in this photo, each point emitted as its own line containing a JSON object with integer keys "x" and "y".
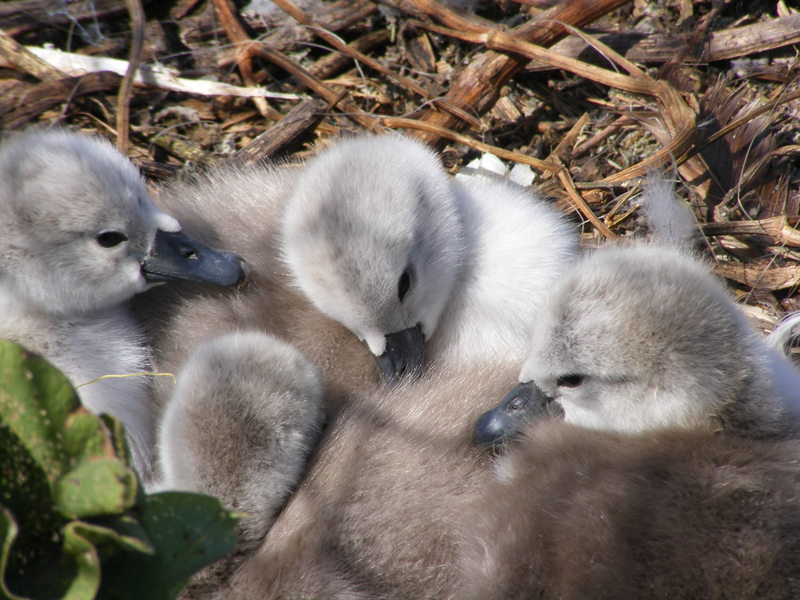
{"x": 373, "y": 237}
{"x": 640, "y": 338}
{"x": 80, "y": 232}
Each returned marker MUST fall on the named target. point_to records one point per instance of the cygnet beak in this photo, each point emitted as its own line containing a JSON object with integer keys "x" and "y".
{"x": 403, "y": 356}
{"x": 520, "y": 406}
{"x": 175, "y": 255}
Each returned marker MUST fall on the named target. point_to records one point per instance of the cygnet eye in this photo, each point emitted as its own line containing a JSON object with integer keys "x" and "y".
{"x": 404, "y": 284}
{"x": 110, "y": 238}
{"x": 569, "y": 381}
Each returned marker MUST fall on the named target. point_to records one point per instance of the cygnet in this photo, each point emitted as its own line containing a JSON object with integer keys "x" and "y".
{"x": 243, "y": 419}
{"x": 692, "y": 487}
{"x": 643, "y": 337}
{"x": 369, "y": 241}
{"x": 572, "y": 513}
{"x": 378, "y": 513}
{"x": 80, "y": 238}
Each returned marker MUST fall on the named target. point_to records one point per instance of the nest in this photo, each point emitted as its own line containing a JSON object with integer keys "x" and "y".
{"x": 591, "y": 94}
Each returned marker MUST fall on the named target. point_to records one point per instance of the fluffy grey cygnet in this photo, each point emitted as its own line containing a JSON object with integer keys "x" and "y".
{"x": 644, "y": 337}
{"x": 243, "y": 419}
{"x": 371, "y": 242}
{"x": 80, "y": 237}
{"x": 676, "y": 474}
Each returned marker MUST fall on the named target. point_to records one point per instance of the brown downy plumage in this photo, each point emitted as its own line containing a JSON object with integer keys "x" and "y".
{"x": 378, "y": 514}
{"x": 571, "y": 513}
{"x": 696, "y": 496}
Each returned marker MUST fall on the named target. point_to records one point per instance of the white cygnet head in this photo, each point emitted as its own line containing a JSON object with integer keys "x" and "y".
{"x": 373, "y": 237}
{"x": 638, "y": 338}
{"x": 80, "y": 231}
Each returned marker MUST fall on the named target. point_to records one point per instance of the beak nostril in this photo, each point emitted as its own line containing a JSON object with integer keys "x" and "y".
{"x": 246, "y": 272}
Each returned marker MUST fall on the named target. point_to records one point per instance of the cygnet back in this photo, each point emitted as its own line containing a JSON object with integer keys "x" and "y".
{"x": 571, "y": 513}
{"x": 517, "y": 248}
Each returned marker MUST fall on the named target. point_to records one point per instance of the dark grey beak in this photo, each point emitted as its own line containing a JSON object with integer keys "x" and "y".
{"x": 520, "y": 406}
{"x": 403, "y": 356}
{"x": 175, "y": 255}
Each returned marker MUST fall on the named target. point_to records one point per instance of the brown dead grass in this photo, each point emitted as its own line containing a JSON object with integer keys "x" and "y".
{"x": 592, "y": 94}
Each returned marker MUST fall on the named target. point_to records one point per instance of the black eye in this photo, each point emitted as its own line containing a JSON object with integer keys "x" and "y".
{"x": 110, "y": 238}
{"x": 569, "y": 381}
{"x": 404, "y": 285}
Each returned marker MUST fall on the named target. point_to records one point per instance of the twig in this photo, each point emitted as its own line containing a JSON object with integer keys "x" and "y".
{"x": 718, "y": 45}
{"x": 21, "y": 58}
{"x": 600, "y": 136}
{"x": 477, "y": 87}
{"x": 17, "y": 109}
{"x": 126, "y": 87}
{"x": 403, "y": 123}
{"x": 440, "y": 12}
{"x": 777, "y": 228}
{"x": 760, "y": 276}
{"x": 297, "y": 123}
{"x": 562, "y": 150}
{"x": 149, "y": 75}
{"x": 578, "y": 201}
{"x": 334, "y": 62}
{"x": 243, "y": 43}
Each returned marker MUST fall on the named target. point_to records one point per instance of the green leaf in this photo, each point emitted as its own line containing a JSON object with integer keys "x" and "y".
{"x": 86, "y": 581}
{"x": 24, "y": 487}
{"x": 74, "y": 523}
{"x": 35, "y": 403}
{"x": 101, "y": 487}
{"x": 8, "y": 531}
{"x": 187, "y": 531}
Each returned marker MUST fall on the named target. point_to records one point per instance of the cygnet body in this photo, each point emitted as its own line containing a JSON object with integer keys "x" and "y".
{"x": 643, "y": 337}
{"x": 243, "y": 419}
{"x": 574, "y": 513}
{"x": 369, "y": 242}
{"x": 399, "y": 504}
{"x": 378, "y": 513}
{"x": 80, "y": 238}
